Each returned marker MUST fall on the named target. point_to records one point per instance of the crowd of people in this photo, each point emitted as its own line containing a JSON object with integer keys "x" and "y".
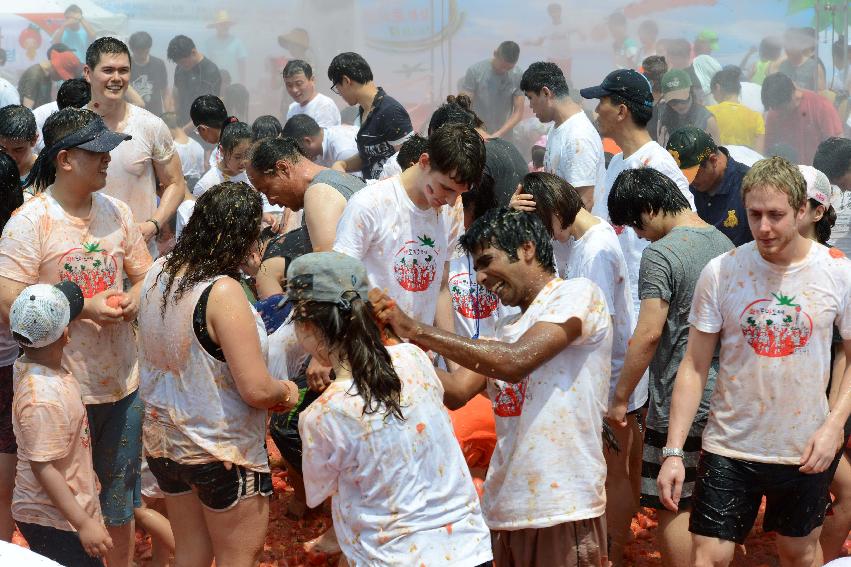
{"x": 469, "y": 359}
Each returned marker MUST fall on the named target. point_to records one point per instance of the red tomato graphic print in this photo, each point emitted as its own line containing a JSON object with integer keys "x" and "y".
{"x": 509, "y": 398}
{"x": 414, "y": 265}
{"x": 776, "y": 327}
{"x": 90, "y": 267}
{"x": 470, "y": 299}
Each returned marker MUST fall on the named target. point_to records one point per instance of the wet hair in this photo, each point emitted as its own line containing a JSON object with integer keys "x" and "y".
{"x": 17, "y": 122}
{"x": 644, "y": 190}
{"x": 351, "y": 65}
{"x": 266, "y": 153}
{"x": 481, "y": 197}
{"x": 508, "y": 230}
{"x": 508, "y": 51}
{"x": 777, "y": 90}
{"x": 170, "y": 119}
{"x": 544, "y": 74}
{"x": 296, "y": 66}
{"x": 105, "y": 45}
{"x": 266, "y": 126}
{"x": 74, "y": 92}
{"x": 140, "y": 40}
{"x": 552, "y": 194}
{"x": 354, "y": 333}
{"x": 457, "y": 150}
{"x": 833, "y": 158}
{"x": 11, "y": 195}
{"x": 770, "y": 48}
{"x": 224, "y": 225}
{"x": 299, "y": 127}
{"x": 233, "y": 134}
{"x": 538, "y": 153}
{"x": 73, "y": 9}
{"x": 58, "y": 125}
{"x": 779, "y": 173}
{"x": 179, "y": 47}
{"x": 639, "y": 113}
{"x": 728, "y": 79}
{"x": 411, "y": 150}
{"x": 208, "y": 110}
{"x": 654, "y": 68}
{"x": 456, "y": 110}
{"x": 824, "y": 226}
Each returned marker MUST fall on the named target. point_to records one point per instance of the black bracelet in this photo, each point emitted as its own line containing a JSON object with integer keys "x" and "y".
{"x": 156, "y": 225}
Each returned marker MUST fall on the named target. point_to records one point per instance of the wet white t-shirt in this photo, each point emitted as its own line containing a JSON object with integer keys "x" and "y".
{"x": 401, "y": 491}
{"x": 776, "y": 325}
{"x": 476, "y": 309}
{"x": 191, "y": 158}
{"x": 652, "y": 155}
{"x": 338, "y": 144}
{"x": 322, "y": 109}
{"x": 548, "y": 466}
{"x": 598, "y": 257}
{"x": 840, "y": 235}
{"x": 575, "y": 153}
{"x": 404, "y": 248}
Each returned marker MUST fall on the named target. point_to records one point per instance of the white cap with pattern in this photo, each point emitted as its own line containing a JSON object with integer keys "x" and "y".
{"x": 41, "y": 312}
{"x": 818, "y": 186}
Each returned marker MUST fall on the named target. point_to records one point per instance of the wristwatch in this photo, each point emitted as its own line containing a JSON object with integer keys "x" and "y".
{"x": 672, "y": 452}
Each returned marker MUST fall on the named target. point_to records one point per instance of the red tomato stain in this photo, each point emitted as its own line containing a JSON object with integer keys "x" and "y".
{"x": 420, "y": 427}
{"x": 449, "y": 528}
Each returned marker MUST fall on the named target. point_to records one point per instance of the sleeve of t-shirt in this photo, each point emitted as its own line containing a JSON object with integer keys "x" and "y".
{"x": 518, "y": 77}
{"x": 843, "y": 320}
{"x": 44, "y": 431}
{"x": 655, "y": 276}
{"x": 705, "y": 308}
{"x": 137, "y": 258}
{"x": 323, "y": 455}
{"x": 20, "y": 250}
{"x": 355, "y": 229}
{"x": 760, "y": 124}
{"x": 397, "y": 125}
{"x": 162, "y": 148}
{"x": 344, "y": 144}
{"x": 582, "y": 299}
{"x": 580, "y": 170}
{"x": 470, "y": 81}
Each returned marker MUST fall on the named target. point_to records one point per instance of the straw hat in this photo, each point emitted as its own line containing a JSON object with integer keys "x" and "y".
{"x": 296, "y": 36}
{"x": 222, "y": 18}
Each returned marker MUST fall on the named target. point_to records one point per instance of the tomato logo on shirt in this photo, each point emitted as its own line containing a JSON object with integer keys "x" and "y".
{"x": 471, "y": 299}
{"x": 509, "y": 398}
{"x": 776, "y": 327}
{"x": 414, "y": 265}
{"x": 90, "y": 267}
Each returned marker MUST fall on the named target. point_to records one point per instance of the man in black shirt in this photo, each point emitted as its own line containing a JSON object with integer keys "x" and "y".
{"x": 148, "y": 76}
{"x": 383, "y": 124}
{"x": 195, "y": 75}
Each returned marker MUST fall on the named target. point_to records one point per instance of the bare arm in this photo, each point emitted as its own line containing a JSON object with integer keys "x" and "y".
{"x": 174, "y": 189}
{"x": 90, "y": 31}
{"x": 92, "y": 533}
{"x": 587, "y": 194}
{"x": 232, "y": 326}
{"x": 9, "y": 291}
{"x": 28, "y": 102}
{"x": 460, "y": 386}
{"x": 354, "y": 163}
{"x": 133, "y": 97}
{"x": 444, "y": 318}
{"x": 269, "y": 277}
{"x": 323, "y": 207}
{"x": 516, "y": 115}
{"x": 641, "y": 350}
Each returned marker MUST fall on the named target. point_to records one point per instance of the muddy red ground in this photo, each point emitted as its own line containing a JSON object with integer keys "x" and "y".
{"x": 285, "y": 538}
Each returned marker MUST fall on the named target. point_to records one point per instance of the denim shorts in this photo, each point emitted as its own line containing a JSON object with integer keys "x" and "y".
{"x": 218, "y": 488}
{"x": 116, "y": 431}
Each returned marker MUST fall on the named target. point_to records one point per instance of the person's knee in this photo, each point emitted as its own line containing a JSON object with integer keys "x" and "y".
{"x": 798, "y": 550}
{"x": 712, "y": 552}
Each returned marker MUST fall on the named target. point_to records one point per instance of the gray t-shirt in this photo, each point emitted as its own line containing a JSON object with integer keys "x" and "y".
{"x": 493, "y": 94}
{"x": 669, "y": 271}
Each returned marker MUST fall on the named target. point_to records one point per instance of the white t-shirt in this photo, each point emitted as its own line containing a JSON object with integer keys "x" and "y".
{"x": 8, "y": 93}
{"x": 184, "y": 211}
{"x": 404, "y": 248}
{"x": 598, "y": 257}
{"x": 548, "y": 466}
{"x": 652, "y": 155}
{"x": 557, "y": 41}
{"x": 321, "y": 108}
{"x": 401, "y": 491}
{"x": 476, "y": 309}
{"x": 840, "y": 236}
{"x": 751, "y": 96}
{"x": 214, "y": 176}
{"x": 776, "y": 325}
{"x": 575, "y": 153}
{"x": 744, "y": 154}
{"x": 41, "y": 113}
{"x": 391, "y": 167}
{"x": 338, "y": 144}
{"x": 191, "y": 158}
{"x": 12, "y": 554}
{"x": 130, "y": 177}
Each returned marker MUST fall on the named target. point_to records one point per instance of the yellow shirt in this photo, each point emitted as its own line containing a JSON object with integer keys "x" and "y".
{"x": 738, "y": 125}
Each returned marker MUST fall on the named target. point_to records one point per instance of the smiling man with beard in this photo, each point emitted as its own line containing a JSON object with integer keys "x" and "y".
{"x": 144, "y": 159}
{"x": 547, "y": 375}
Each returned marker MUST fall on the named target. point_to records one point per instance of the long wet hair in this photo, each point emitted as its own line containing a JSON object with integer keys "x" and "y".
{"x": 57, "y": 126}
{"x": 350, "y": 328}
{"x": 224, "y": 225}
{"x": 11, "y": 195}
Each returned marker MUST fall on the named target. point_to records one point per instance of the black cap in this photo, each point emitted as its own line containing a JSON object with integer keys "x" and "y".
{"x": 628, "y": 84}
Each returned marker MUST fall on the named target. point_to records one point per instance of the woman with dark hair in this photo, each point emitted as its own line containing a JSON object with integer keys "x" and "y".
{"x": 378, "y": 437}
{"x": 11, "y": 197}
{"x": 205, "y": 383}
{"x": 18, "y": 136}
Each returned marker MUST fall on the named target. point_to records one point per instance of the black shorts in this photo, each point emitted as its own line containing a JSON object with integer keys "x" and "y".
{"x": 728, "y": 494}
{"x": 283, "y": 427}
{"x": 61, "y": 546}
{"x": 7, "y": 435}
{"x": 218, "y": 488}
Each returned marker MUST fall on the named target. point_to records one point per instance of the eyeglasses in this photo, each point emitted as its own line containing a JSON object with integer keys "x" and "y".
{"x": 198, "y": 128}
{"x": 334, "y": 89}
